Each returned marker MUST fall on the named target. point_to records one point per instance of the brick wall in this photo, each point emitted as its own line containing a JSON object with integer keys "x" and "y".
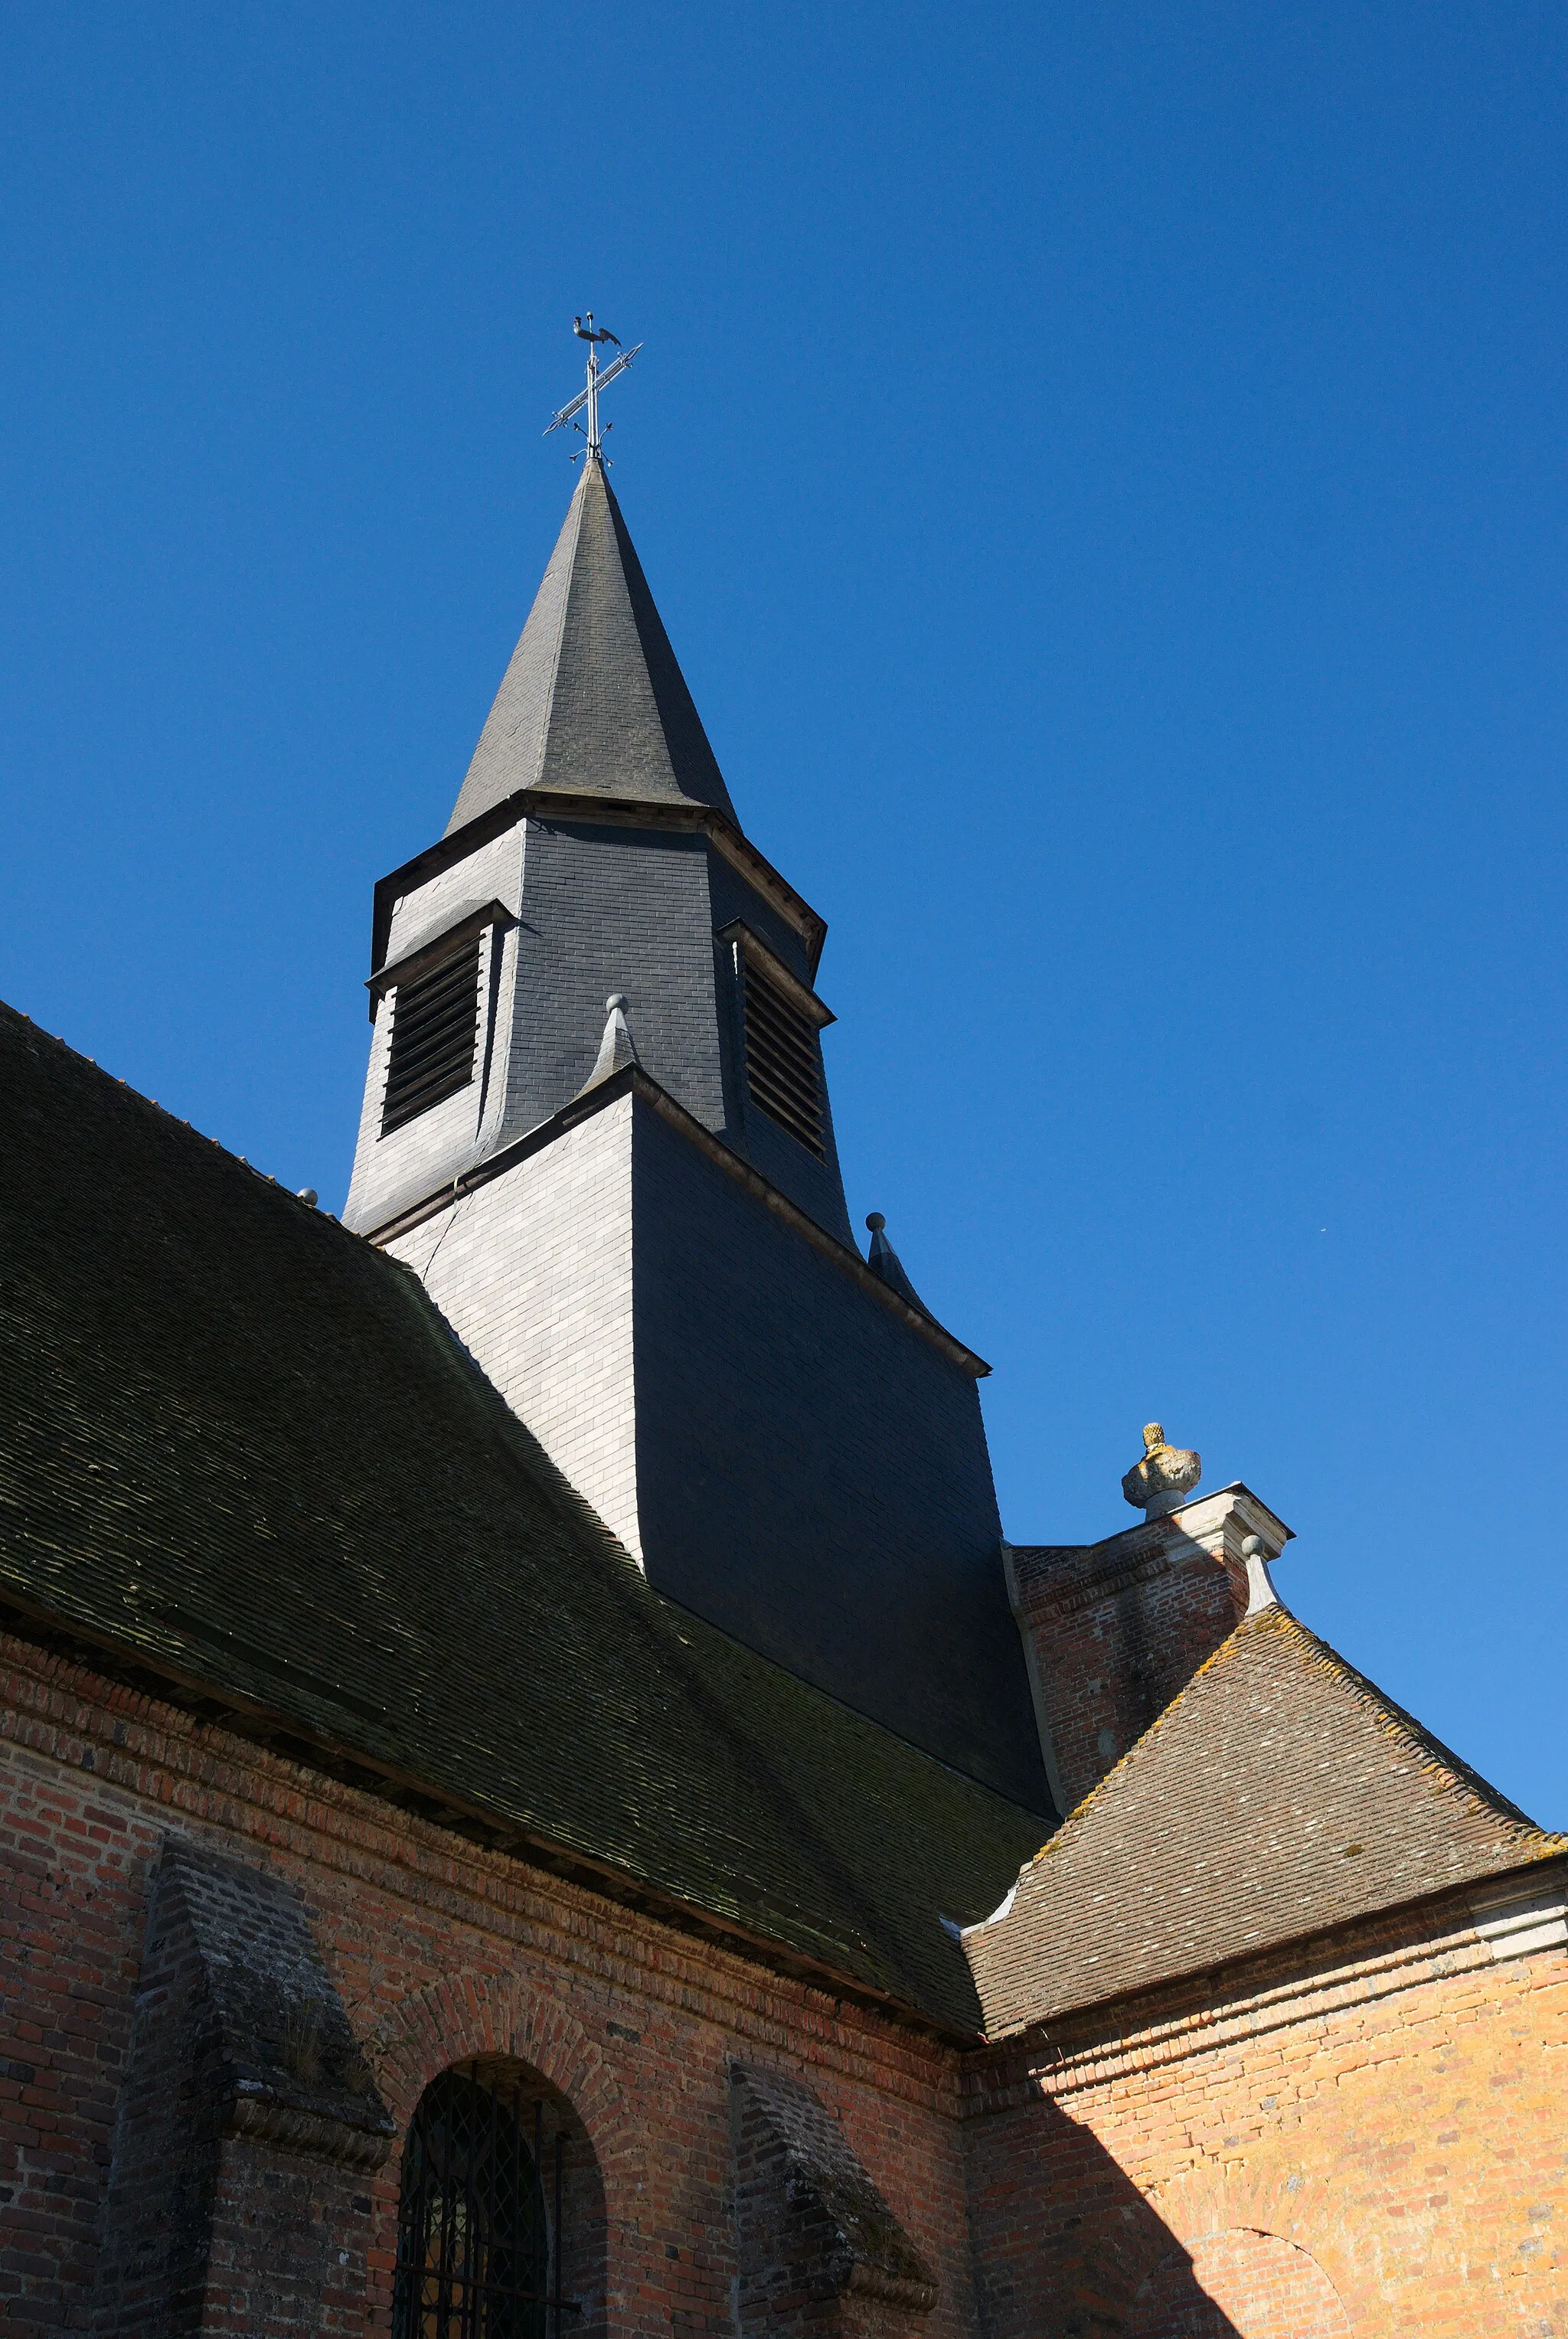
{"x": 818, "y": 2251}
{"x": 1276, "y": 2289}
{"x": 440, "y": 1953}
{"x": 1114, "y": 1630}
{"x": 1381, "y": 2115}
{"x": 156, "y": 2232}
{"x": 247, "y": 2121}
{"x": 1364, "y": 2135}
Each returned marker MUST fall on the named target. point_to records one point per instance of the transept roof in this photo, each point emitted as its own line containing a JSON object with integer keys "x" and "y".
{"x": 1281, "y": 1794}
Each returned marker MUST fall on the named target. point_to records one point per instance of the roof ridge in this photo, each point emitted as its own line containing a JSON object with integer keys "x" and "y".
{"x": 125, "y": 1090}
{"x": 573, "y": 520}
{"x": 1431, "y": 1751}
{"x": 1428, "y": 1745}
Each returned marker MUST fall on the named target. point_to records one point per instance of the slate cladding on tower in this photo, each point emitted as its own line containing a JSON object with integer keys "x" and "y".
{"x": 583, "y": 907}
{"x": 812, "y": 1474}
{"x": 660, "y": 1276}
{"x": 596, "y": 825}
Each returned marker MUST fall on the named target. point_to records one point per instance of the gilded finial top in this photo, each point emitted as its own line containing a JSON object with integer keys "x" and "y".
{"x": 1165, "y": 1477}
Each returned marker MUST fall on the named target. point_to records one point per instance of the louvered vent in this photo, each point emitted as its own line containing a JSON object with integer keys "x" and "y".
{"x": 783, "y": 1068}
{"x": 434, "y": 1022}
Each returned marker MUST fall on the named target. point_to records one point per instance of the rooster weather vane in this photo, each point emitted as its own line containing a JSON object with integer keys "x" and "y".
{"x": 585, "y": 331}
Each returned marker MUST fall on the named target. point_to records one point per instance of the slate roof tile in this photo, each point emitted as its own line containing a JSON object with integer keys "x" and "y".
{"x": 593, "y": 703}
{"x": 239, "y": 1445}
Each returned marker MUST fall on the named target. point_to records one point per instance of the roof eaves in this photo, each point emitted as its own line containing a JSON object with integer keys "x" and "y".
{"x": 1446, "y": 1772}
{"x": 1216, "y": 1974}
{"x": 164, "y": 1671}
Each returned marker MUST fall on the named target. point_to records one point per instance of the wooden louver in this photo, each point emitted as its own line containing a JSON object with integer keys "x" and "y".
{"x": 783, "y": 1068}
{"x": 435, "y": 1023}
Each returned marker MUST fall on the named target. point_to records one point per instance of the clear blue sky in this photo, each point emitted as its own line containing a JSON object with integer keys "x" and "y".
{"x": 1102, "y": 468}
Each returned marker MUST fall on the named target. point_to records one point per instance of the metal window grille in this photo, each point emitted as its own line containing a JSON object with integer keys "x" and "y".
{"x": 474, "y": 2255}
{"x": 783, "y": 1065}
{"x": 435, "y": 1024}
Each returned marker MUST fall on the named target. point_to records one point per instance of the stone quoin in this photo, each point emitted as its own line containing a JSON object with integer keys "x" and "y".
{"x": 538, "y": 1799}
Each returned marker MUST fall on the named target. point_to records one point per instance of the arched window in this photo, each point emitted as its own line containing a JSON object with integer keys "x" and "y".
{"x": 473, "y": 2238}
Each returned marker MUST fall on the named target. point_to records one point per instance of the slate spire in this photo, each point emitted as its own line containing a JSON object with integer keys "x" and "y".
{"x": 593, "y": 703}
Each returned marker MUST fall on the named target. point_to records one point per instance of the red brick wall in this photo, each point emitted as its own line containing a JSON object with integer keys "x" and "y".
{"x": 440, "y": 1952}
{"x": 1277, "y": 2290}
{"x": 1116, "y": 1631}
{"x": 1373, "y": 2132}
{"x": 273, "y": 2272}
{"x": 1389, "y": 2114}
{"x": 210, "y": 2222}
{"x": 155, "y": 2228}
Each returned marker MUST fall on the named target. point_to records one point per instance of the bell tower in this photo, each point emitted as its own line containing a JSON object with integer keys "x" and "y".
{"x": 594, "y": 792}
{"x": 596, "y": 1124}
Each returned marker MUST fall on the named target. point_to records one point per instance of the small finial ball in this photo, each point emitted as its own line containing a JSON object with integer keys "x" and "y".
{"x": 1153, "y": 1436}
{"x": 308, "y": 1195}
{"x": 1252, "y": 1547}
{"x": 617, "y": 999}
{"x": 875, "y": 1221}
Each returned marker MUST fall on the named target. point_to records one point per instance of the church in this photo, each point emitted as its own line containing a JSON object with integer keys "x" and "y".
{"x": 539, "y": 1800}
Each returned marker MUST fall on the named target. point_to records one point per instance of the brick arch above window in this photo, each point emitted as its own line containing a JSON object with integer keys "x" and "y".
{"x": 499, "y": 2032}
{"x": 1240, "y": 2283}
{"x": 470, "y": 2014}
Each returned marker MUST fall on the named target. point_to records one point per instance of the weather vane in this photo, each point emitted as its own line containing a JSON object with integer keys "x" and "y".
{"x": 584, "y": 331}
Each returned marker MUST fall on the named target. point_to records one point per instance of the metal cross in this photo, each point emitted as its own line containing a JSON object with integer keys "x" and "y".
{"x": 584, "y": 331}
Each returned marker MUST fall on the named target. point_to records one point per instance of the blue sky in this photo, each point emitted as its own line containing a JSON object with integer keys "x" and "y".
{"x": 1102, "y": 468}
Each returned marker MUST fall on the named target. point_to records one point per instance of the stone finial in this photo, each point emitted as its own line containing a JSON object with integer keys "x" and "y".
{"x": 618, "y": 1047}
{"x": 1260, "y": 1591}
{"x": 885, "y": 1264}
{"x": 1165, "y": 1477}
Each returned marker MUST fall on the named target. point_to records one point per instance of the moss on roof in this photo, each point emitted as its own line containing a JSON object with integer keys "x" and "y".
{"x": 1280, "y": 1795}
{"x": 239, "y": 1443}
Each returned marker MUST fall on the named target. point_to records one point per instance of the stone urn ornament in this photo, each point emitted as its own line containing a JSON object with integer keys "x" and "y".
{"x": 1165, "y": 1477}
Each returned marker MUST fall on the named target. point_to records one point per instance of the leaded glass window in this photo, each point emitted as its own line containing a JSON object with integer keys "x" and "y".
{"x": 473, "y": 2238}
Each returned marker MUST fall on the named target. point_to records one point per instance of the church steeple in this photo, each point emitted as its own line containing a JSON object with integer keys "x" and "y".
{"x": 645, "y": 1244}
{"x": 594, "y": 703}
{"x": 593, "y": 849}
